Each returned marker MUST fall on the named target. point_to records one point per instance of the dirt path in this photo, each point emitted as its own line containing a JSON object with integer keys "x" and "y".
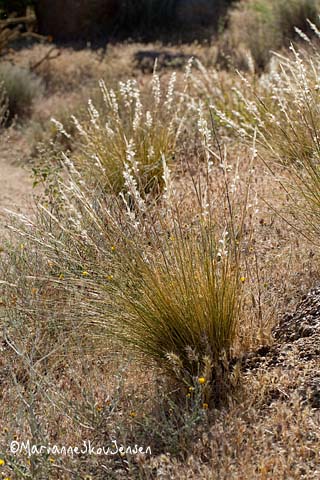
{"x": 15, "y": 181}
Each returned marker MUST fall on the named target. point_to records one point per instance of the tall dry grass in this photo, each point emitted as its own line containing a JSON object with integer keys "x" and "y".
{"x": 162, "y": 277}
{"x": 260, "y": 27}
{"x": 282, "y": 110}
{"x": 131, "y": 131}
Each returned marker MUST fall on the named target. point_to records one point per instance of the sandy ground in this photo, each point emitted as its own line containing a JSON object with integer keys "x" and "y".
{"x": 15, "y": 180}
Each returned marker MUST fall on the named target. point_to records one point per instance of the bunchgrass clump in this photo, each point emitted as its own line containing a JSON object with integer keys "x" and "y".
{"x": 261, "y": 26}
{"x": 160, "y": 277}
{"x": 282, "y": 111}
{"x": 130, "y": 131}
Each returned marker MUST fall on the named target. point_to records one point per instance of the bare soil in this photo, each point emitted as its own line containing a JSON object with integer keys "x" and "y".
{"x": 296, "y": 349}
{"x": 15, "y": 180}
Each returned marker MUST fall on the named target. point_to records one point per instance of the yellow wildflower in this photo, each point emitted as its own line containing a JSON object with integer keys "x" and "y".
{"x": 85, "y": 273}
{"x": 205, "y": 406}
{"x": 51, "y": 460}
{"x": 191, "y": 389}
{"x": 242, "y": 279}
{"x": 2, "y": 462}
{"x": 201, "y": 380}
{"x": 61, "y": 276}
{"x": 133, "y": 414}
{"x": 113, "y": 248}
{"x": 188, "y": 395}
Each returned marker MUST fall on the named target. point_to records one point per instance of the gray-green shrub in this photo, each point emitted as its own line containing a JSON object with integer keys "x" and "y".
{"x": 22, "y": 87}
